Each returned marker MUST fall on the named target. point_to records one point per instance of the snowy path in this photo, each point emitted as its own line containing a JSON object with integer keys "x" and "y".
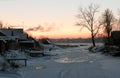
{"x": 72, "y": 63}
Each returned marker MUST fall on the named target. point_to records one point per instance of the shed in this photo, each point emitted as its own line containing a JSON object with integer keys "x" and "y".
{"x": 115, "y": 36}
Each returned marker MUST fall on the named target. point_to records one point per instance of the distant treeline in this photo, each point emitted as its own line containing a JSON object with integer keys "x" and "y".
{"x": 79, "y": 40}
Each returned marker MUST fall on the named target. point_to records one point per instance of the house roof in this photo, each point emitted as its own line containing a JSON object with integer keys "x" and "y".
{"x": 14, "y": 33}
{"x": 28, "y": 41}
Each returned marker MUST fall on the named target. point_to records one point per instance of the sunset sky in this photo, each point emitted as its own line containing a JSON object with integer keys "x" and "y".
{"x": 49, "y": 18}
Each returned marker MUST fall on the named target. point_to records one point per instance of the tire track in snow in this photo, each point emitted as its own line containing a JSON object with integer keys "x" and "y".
{"x": 64, "y": 73}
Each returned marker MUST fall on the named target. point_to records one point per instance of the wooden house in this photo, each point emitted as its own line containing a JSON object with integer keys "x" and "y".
{"x": 12, "y": 37}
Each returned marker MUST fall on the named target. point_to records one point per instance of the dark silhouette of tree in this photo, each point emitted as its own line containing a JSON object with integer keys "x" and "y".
{"x": 1, "y": 25}
{"x": 118, "y": 20}
{"x": 108, "y": 22}
{"x": 87, "y": 20}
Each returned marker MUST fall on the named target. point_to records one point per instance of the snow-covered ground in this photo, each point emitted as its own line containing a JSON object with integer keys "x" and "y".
{"x": 74, "y": 62}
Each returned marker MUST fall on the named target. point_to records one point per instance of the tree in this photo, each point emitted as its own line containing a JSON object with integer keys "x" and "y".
{"x": 87, "y": 20}
{"x": 1, "y": 25}
{"x": 108, "y": 22}
{"x": 118, "y": 20}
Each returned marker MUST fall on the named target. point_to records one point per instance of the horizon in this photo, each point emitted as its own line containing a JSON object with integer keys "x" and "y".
{"x": 50, "y": 19}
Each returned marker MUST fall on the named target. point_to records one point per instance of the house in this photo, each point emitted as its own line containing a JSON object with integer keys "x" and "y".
{"x": 115, "y": 37}
{"x": 12, "y": 38}
{"x": 15, "y": 39}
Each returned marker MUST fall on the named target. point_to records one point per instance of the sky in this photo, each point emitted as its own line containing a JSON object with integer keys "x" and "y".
{"x": 49, "y": 18}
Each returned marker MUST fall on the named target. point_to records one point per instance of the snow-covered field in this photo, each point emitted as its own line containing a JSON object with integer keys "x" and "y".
{"x": 74, "y": 62}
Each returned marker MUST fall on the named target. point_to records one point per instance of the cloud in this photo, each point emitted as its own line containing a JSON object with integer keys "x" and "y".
{"x": 41, "y": 28}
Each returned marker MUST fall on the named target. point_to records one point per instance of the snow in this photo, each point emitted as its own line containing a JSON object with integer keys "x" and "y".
{"x": 9, "y": 75}
{"x": 15, "y": 54}
{"x": 2, "y": 60}
{"x": 75, "y": 62}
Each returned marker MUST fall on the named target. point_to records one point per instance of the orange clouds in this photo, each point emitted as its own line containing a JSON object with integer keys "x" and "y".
{"x": 56, "y": 35}
{"x": 56, "y": 31}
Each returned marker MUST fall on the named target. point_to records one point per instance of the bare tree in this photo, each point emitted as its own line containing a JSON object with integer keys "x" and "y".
{"x": 87, "y": 20}
{"x": 108, "y": 21}
{"x": 118, "y": 20}
{"x": 1, "y": 25}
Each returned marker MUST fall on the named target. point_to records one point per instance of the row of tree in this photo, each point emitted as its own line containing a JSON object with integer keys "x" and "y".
{"x": 88, "y": 19}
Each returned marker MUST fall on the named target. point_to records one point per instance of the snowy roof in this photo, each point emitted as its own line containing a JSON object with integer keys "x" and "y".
{"x": 27, "y": 41}
{"x": 17, "y": 33}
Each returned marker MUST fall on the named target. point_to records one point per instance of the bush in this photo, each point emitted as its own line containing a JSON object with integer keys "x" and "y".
{"x": 90, "y": 48}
